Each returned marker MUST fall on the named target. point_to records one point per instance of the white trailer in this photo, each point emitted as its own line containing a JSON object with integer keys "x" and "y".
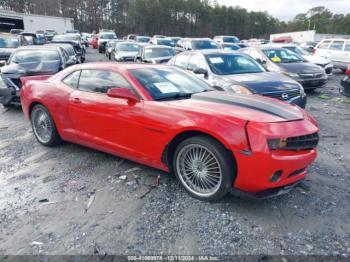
{"x": 303, "y": 36}
{"x": 32, "y": 22}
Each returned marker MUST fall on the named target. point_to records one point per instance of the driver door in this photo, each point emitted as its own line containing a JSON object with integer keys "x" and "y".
{"x": 109, "y": 124}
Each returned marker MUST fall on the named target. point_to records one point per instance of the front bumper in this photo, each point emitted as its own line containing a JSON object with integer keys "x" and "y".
{"x": 9, "y": 96}
{"x": 255, "y": 170}
{"x": 346, "y": 86}
{"x": 299, "y": 101}
{"x": 268, "y": 193}
{"x": 312, "y": 83}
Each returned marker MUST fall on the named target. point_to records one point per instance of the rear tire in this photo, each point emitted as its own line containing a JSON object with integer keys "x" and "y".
{"x": 44, "y": 128}
{"x": 204, "y": 168}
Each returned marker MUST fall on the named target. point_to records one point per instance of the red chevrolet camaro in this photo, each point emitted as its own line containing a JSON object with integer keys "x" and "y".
{"x": 164, "y": 117}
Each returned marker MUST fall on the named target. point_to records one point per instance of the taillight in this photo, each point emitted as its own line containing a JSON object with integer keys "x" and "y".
{"x": 347, "y": 72}
{"x": 313, "y": 50}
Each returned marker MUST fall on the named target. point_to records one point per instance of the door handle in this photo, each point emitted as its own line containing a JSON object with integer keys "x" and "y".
{"x": 76, "y": 101}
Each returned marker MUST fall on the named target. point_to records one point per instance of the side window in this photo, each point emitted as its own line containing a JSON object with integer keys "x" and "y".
{"x": 347, "y": 46}
{"x": 324, "y": 44}
{"x": 101, "y": 80}
{"x": 72, "y": 79}
{"x": 337, "y": 45}
{"x": 181, "y": 60}
{"x": 196, "y": 61}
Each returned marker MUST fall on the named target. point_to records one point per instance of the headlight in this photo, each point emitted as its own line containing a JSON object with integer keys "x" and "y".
{"x": 239, "y": 89}
{"x": 277, "y": 143}
{"x": 302, "y": 91}
{"x": 290, "y": 74}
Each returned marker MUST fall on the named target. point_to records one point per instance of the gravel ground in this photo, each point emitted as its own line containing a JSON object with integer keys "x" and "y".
{"x": 75, "y": 200}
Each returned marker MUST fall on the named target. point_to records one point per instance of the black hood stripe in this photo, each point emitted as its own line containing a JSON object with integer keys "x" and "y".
{"x": 251, "y": 102}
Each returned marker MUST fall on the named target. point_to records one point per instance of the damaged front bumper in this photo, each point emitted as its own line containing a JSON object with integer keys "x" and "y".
{"x": 9, "y": 91}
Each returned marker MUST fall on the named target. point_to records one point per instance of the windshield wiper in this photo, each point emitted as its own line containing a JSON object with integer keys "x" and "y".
{"x": 176, "y": 96}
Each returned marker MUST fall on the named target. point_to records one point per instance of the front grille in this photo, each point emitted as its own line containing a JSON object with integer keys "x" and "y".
{"x": 129, "y": 59}
{"x": 4, "y": 57}
{"x": 283, "y": 95}
{"x": 311, "y": 76}
{"x": 17, "y": 82}
{"x": 305, "y": 142}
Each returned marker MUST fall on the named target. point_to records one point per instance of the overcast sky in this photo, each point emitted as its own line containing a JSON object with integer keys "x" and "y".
{"x": 287, "y": 9}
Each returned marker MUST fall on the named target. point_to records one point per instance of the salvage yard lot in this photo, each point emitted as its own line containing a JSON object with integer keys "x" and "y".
{"x": 75, "y": 200}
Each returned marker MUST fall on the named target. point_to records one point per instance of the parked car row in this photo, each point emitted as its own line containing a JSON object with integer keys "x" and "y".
{"x": 274, "y": 71}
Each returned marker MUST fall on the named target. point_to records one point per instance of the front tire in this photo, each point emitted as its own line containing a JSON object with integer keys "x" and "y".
{"x": 44, "y": 127}
{"x": 204, "y": 168}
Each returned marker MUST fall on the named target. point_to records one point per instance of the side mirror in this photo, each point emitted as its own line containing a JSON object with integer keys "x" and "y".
{"x": 123, "y": 93}
{"x": 261, "y": 62}
{"x": 200, "y": 71}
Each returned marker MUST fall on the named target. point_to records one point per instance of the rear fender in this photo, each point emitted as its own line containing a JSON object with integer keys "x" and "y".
{"x": 24, "y": 79}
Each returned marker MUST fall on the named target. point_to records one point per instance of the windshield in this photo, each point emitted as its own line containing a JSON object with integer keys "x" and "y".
{"x": 229, "y": 64}
{"x": 128, "y": 47}
{"x": 68, "y": 37}
{"x": 204, "y": 44}
{"x": 158, "y": 52}
{"x": 298, "y": 50}
{"x": 167, "y": 42}
{"x": 169, "y": 83}
{"x": 34, "y": 56}
{"x": 143, "y": 39}
{"x": 230, "y": 47}
{"x": 69, "y": 50}
{"x": 230, "y": 39}
{"x": 9, "y": 43}
{"x": 108, "y": 36}
{"x": 282, "y": 56}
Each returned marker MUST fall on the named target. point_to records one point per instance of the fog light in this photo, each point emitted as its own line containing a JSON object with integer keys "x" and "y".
{"x": 276, "y": 176}
{"x": 277, "y": 143}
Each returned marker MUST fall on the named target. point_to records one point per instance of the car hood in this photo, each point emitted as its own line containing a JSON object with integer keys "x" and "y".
{"x": 31, "y": 68}
{"x": 316, "y": 59}
{"x": 246, "y": 107}
{"x": 300, "y": 68}
{"x": 263, "y": 82}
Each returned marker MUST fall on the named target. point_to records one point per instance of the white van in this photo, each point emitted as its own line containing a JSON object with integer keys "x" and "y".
{"x": 337, "y": 50}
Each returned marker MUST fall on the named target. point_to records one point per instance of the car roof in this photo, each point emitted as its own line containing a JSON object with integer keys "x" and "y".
{"x": 8, "y": 35}
{"x": 214, "y": 51}
{"x": 127, "y": 42}
{"x": 39, "y": 47}
{"x": 107, "y": 65}
{"x": 157, "y": 46}
{"x": 197, "y": 38}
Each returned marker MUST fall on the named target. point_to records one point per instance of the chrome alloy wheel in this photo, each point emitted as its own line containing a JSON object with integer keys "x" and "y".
{"x": 42, "y": 126}
{"x": 199, "y": 170}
